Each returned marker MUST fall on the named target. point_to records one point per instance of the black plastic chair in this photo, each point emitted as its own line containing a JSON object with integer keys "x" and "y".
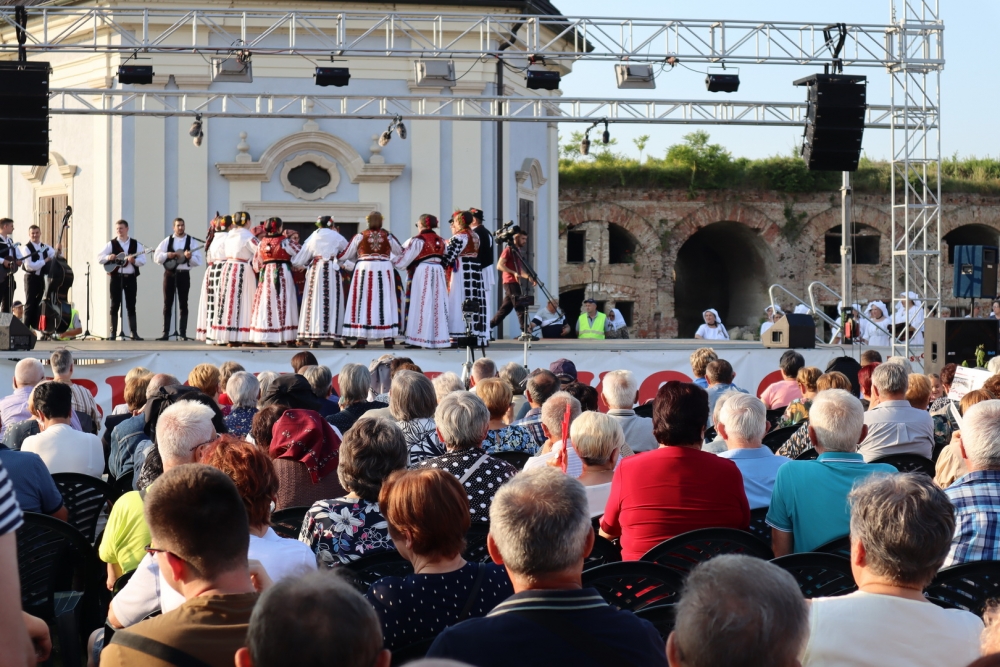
{"x": 967, "y": 586}
{"x": 633, "y": 585}
{"x": 710, "y": 434}
{"x": 758, "y": 527}
{"x": 819, "y": 575}
{"x": 684, "y": 552}
{"x": 120, "y": 582}
{"x": 288, "y": 522}
{"x": 365, "y": 571}
{"x": 909, "y": 463}
{"x": 85, "y": 497}
{"x": 662, "y": 616}
{"x": 779, "y": 436}
{"x": 840, "y": 546}
{"x": 516, "y": 459}
{"x": 605, "y": 551}
{"x": 122, "y": 486}
{"x": 809, "y": 455}
{"x": 411, "y": 653}
{"x": 774, "y": 416}
{"x": 475, "y": 543}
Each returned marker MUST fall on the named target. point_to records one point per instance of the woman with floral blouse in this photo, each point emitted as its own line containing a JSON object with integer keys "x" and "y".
{"x": 501, "y": 436}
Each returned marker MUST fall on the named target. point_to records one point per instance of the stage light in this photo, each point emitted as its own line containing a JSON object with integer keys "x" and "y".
{"x": 542, "y": 79}
{"x": 332, "y": 76}
{"x": 135, "y": 74}
{"x": 635, "y": 75}
{"x": 196, "y": 131}
{"x": 235, "y": 69}
{"x": 434, "y": 73}
{"x": 722, "y": 83}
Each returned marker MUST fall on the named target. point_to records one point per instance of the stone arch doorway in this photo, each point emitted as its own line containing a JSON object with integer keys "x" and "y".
{"x": 973, "y": 234}
{"x": 723, "y": 266}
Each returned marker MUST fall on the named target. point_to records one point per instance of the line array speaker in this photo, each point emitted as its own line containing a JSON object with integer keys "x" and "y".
{"x": 24, "y": 113}
{"x": 954, "y": 340}
{"x": 835, "y": 121}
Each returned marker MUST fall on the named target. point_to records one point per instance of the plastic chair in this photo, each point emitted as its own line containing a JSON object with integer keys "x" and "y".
{"x": 710, "y": 434}
{"x": 840, "y": 546}
{"x": 365, "y": 571}
{"x": 758, "y": 527}
{"x": 120, "y": 582}
{"x": 516, "y": 459}
{"x": 819, "y": 575}
{"x": 684, "y": 552}
{"x": 809, "y": 455}
{"x": 967, "y": 586}
{"x": 288, "y": 522}
{"x": 475, "y": 543}
{"x": 779, "y": 436}
{"x": 909, "y": 463}
{"x": 122, "y": 485}
{"x": 411, "y": 653}
{"x": 662, "y": 616}
{"x": 774, "y": 416}
{"x": 633, "y": 585}
{"x": 605, "y": 551}
{"x": 85, "y": 497}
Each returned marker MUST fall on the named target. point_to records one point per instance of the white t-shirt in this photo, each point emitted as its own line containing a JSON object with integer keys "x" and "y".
{"x": 865, "y": 629}
{"x": 148, "y": 591}
{"x": 597, "y": 498}
{"x": 64, "y": 449}
{"x": 574, "y": 466}
{"x": 718, "y": 332}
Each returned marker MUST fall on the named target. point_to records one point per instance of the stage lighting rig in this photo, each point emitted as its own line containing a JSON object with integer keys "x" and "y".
{"x": 635, "y": 75}
{"x": 397, "y": 125}
{"x": 135, "y": 74}
{"x": 722, "y": 82}
{"x": 234, "y": 68}
{"x": 605, "y": 136}
{"x": 332, "y": 76}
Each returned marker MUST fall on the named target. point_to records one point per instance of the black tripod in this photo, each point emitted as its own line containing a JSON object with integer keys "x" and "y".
{"x": 86, "y": 335}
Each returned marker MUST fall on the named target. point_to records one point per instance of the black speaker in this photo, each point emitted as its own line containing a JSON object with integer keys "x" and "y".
{"x": 835, "y": 121}
{"x": 15, "y": 334}
{"x": 791, "y": 331}
{"x": 955, "y": 339}
{"x": 24, "y": 113}
{"x": 975, "y": 272}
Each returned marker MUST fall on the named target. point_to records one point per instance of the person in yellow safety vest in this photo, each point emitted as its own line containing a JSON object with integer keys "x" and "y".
{"x": 74, "y": 329}
{"x": 591, "y": 324}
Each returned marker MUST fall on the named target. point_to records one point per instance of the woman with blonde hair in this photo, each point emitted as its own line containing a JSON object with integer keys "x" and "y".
{"x": 798, "y": 409}
{"x": 502, "y": 436}
{"x": 598, "y": 440}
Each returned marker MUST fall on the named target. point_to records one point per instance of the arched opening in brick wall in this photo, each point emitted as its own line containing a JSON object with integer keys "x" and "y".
{"x": 974, "y": 234}
{"x": 621, "y": 245}
{"x": 720, "y": 266}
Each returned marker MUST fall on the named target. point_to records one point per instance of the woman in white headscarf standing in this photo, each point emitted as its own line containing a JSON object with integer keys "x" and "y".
{"x": 911, "y": 312}
{"x": 773, "y": 314}
{"x": 712, "y": 329}
{"x": 879, "y": 315}
{"x": 619, "y": 329}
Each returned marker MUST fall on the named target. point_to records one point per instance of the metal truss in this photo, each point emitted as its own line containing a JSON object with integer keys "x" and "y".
{"x": 456, "y": 35}
{"x": 916, "y": 161}
{"x": 485, "y": 108}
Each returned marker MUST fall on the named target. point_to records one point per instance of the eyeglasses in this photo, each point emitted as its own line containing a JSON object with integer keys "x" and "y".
{"x": 152, "y": 551}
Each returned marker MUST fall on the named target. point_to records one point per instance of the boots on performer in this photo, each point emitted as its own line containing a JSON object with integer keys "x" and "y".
{"x": 132, "y": 327}
{"x": 389, "y": 343}
{"x": 360, "y": 343}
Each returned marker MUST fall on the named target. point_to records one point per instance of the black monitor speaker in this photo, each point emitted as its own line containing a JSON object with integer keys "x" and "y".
{"x": 954, "y": 340}
{"x": 975, "y": 272}
{"x": 15, "y": 334}
{"x": 791, "y": 331}
{"x": 835, "y": 121}
{"x": 24, "y": 113}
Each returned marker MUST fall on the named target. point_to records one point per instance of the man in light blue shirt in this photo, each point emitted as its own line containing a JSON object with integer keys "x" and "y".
{"x": 742, "y": 423}
{"x": 720, "y": 376}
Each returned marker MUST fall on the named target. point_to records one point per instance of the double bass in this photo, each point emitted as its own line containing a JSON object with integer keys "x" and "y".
{"x": 56, "y": 308}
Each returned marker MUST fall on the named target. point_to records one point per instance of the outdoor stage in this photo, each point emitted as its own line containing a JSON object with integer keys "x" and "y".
{"x": 102, "y": 365}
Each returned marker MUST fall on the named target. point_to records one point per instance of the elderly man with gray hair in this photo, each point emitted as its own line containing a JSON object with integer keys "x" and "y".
{"x": 739, "y": 610}
{"x": 742, "y": 425}
{"x": 462, "y": 420}
{"x": 901, "y": 527}
{"x": 540, "y": 531}
{"x": 621, "y": 392}
{"x": 482, "y": 369}
{"x": 895, "y": 426}
{"x": 130, "y": 434}
{"x": 14, "y": 407}
{"x": 809, "y": 501}
{"x": 61, "y": 362}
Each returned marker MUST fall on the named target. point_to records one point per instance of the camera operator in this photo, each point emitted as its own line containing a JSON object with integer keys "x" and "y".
{"x": 511, "y": 265}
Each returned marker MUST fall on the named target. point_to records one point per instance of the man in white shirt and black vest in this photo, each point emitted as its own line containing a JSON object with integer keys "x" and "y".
{"x": 9, "y": 262}
{"x": 127, "y": 255}
{"x": 178, "y": 253}
{"x": 36, "y": 267}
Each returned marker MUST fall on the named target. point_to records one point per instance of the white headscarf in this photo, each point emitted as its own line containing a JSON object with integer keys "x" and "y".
{"x": 912, "y": 296}
{"x": 801, "y": 309}
{"x": 619, "y": 321}
{"x": 718, "y": 320}
{"x": 776, "y": 308}
{"x": 876, "y": 304}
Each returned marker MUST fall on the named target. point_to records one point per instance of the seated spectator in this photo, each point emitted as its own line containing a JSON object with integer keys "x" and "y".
{"x": 541, "y": 385}
{"x": 242, "y": 391}
{"x": 809, "y": 503}
{"x": 483, "y": 368}
{"x": 720, "y": 378}
{"x": 34, "y": 487}
{"x": 428, "y": 516}
{"x": 355, "y": 383}
{"x": 343, "y": 529}
{"x": 411, "y": 404}
{"x": 291, "y": 391}
{"x": 540, "y": 532}
{"x": 584, "y": 393}
{"x": 937, "y": 389}
{"x": 501, "y": 437}
{"x": 462, "y": 421}
{"x": 717, "y": 445}
{"x": 227, "y": 369}
{"x": 780, "y": 394}
{"x": 553, "y": 415}
{"x": 304, "y": 449}
{"x": 918, "y": 391}
{"x": 262, "y": 425}
{"x": 61, "y": 363}
{"x": 14, "y": 408}
{"x": 739, "y": 606}
{"x": 597, "y": 440}
{"x": 564, "y": 370}
{"x": 303, "y": 359}
{"x": 865, "y": 381}
{"x": 134, "y": 372}
{"x": 205, "y": 378}
{"x": 516, "y": 376}
{"x": 621, "y": 392}
{"x": 894, "y": 426}
{"x": 445, "y": 384}
{"x": 700, "y": 359}
{"x": 135, "y": 399}
{"x": 849, "y": 368}
{"x": 199, "y": 535}
{"x": 744, "y": 422}
{"x": 380, "y": 372}
{"x": 126, "y": 437}
{"x": 320, "y": 379}
{"x": 677, "y": 487}
{"x": 901, "y": 361}
{"x": 265, "y": 379}
{"x": 800, "y": 443}
{"x": 950, "y": 464}
{"x": 901, "y": 526}
{"x": 869, "y": 357}
{"x": 62, "y": 448}
{"x": 947, "y": 376}
{"x": 798, "y": 410}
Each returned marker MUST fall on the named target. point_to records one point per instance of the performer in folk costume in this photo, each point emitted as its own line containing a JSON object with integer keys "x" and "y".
{"x": 183, "y": 253}
{"x": 322, "y": 314}
{"x": 230, "y": 323}
{"x": 466, "y": 282}
{"x": 36, "y": 267}
{"x": 275, "y": 317}
{"x": 371, "y": 312}
{"x": 426, "y": 288}
{"x": 9, "y": 258}
{"x": 123, "y": 278}
{"x": 215, "y": 255}
{"x": 486, "y": 257}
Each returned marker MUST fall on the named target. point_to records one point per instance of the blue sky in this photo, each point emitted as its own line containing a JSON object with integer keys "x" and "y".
{"x": 970, "y": 101}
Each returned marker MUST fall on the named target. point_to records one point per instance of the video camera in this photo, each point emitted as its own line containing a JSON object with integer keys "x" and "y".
{"x": 506, "y": 233}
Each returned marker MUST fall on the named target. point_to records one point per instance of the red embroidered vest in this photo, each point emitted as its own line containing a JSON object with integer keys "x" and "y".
{"x": 374, "y": 244}
{"x": 271, "y": 251}
{"x": 433, "y": 245}
{"x": 472, "y": 245}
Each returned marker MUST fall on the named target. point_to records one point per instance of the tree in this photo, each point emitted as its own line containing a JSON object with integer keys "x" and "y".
{"x": 640, "y": 143}
{"x": 711, "y": 161}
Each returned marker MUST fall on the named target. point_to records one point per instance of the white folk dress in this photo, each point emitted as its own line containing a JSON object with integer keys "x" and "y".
{"x": 237, "y": 285}
{"x": 372, "y": 312}
{"x": 322, "y": 313}
{"x": 215, "y": 256}
{"x": 466, "y": 283}
{"x": 275, "y": 315}
{"x": 426, "y": 291}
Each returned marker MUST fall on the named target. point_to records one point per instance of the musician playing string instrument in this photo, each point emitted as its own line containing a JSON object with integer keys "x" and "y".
{"x": 128, "y": 255}
{"x": 36, "y": 267}
{"x": 178, "y": 253}
{"x": 9, "y": 261}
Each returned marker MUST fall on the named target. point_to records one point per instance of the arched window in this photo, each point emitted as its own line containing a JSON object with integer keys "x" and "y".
{"x": 621, "y": 245}
{"x": 969, "y": 235}
{"x": 864, "y": 244}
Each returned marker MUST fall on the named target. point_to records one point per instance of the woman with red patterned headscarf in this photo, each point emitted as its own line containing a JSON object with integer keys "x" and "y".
{"x": 275, "y": 316}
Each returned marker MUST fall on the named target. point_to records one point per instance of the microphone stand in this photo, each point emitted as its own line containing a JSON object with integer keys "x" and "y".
{"x": 86, "y": 335}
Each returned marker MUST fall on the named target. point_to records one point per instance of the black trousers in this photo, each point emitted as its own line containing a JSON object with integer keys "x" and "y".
{"x": 121, "y": 282}
{"x": 181, "y": 282}
{"x": 34, "y": 286}
{"x": 7, "y": 288}
{"x": 511, "y": 297}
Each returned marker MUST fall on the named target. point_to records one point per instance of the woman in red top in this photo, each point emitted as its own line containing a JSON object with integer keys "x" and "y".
{"x": 275, "y": 316}
{"x": 676, "y": 488}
